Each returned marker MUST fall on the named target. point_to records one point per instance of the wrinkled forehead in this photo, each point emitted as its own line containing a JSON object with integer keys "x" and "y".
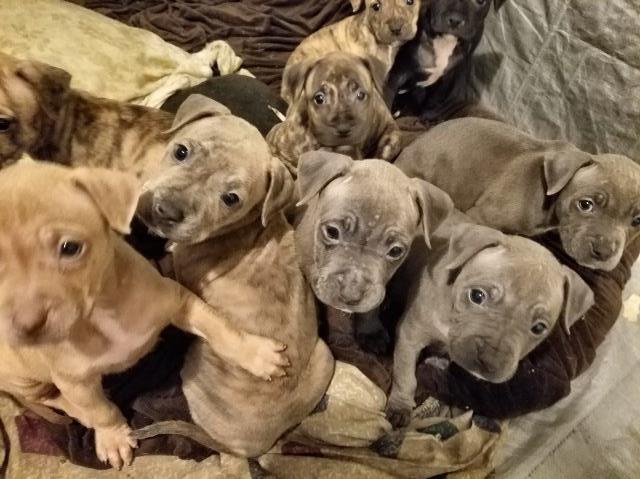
{"x": 339, "y": 71}
{"x": 617, "y": 175}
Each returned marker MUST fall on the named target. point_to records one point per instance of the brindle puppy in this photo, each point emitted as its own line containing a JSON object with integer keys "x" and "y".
{"x": 376, "y": 32}
{"x": 40, "y": 114}
{"x": 337, "y": 106}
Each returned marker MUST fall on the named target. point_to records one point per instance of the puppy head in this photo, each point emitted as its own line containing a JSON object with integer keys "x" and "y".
{"x": 31, "y": 95}
{"x": 336, "y": 97}
{"x": 366, "y": 216}
{"x": 56, "y": 244}
{"x": 508, "y": 293}
{"x": 461, "y": 18}
{"x": 597, "y": 205}
{"x": 390, "y": 21}
{"x": 217, "y": 173}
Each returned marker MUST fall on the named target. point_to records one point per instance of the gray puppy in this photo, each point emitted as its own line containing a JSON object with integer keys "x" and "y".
{"x": 484, "y": 298}
{"x": 511, "y": 181}
{"x": 359, "y": 222}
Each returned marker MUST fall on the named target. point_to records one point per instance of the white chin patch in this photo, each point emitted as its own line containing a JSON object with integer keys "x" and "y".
{"x": 443, "y": 47}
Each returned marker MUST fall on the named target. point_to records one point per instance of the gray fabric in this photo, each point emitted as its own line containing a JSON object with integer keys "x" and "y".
{"x": 566, "y": 69}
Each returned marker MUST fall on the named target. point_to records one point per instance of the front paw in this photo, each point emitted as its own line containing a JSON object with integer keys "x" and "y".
{"x": 390, "y": 145}
{"x": 398, "y": 415}
{"x": 263, "y": 357}
{"x": 114, "y": 444}
{"x": 377, "y": 342}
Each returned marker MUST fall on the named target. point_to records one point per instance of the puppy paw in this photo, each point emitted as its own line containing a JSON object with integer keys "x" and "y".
{"x": 114, "y": 445}
{"x": 390, "y": 146}
{"x": 398, "y": 416}
{"x": 377, "y": 343}
{"x": 264, "y": 357}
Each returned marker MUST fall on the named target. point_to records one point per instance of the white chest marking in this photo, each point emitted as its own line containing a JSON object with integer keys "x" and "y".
{"x": 443, "y": 47}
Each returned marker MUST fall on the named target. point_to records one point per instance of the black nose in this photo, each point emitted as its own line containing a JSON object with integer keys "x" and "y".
{"x": 395, "y": 27}
{"x": 455, "y": 20}
{"x": 168, "y": 211}
{"x": 602, "y": 249}
{"x": 343, "y": 131}
{"x": 396, "y": 31}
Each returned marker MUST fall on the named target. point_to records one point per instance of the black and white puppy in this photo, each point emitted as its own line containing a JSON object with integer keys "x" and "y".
{"x": 430, "y": 74}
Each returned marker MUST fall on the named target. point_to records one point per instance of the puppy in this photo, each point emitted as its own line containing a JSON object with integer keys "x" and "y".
{"x": 77, "y": 303}
{"x": 235, "y": 249}
{"x": 337, "y": 106}
{"x": 430, "y": 74}
{"x": 42, "y": 116}
{"x": 356, "y": 228}
{"x": 504, "y": 178}
{"x": 377, "y": 32}
{"x": 483, "y": 298}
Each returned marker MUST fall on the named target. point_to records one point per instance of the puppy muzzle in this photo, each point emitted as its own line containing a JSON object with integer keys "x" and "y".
{"x": 485, "y": 362}
{"x": 349, "y": 291}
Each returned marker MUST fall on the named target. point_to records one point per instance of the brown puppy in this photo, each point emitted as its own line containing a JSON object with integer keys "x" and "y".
{"x": 42, "y": 116}
{"x": 337, "y": 106}
{"x": 377, "y": 32}
{"x": 76, "y": 302}
{"x": 235, "y": 249}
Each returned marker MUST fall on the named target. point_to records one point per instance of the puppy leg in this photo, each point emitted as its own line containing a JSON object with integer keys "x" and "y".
{"x": 262, "y": 357}
{"x": 390, "y": 143}
{"x": 371, "y": 335}
{"x": 85, "y": 401}
{"x": 402, "y": 397}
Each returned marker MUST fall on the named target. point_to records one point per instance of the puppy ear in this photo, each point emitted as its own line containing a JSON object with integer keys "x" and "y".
{"x": 559, "y": 168}
{"x": 114, "y": 193}
{"x": 578, "y": 299}
{"x": 356, "y": 5}
{"x": 49, "y": 83}
{"x": 293, "y": 80}
{"x": 194, "y": 108}
{"x": 497, "y": 4}
{"x": 280, "y": 190}
{"x": 467, "y": 240}
{"x": 316, "y": 169}
{"x": 434, "y": 205}
{"x": 378, "y": 72}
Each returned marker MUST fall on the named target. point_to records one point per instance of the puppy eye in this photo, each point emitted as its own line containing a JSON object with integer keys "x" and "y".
{"x": 410, "y": 2}
{"x": 481, "y": 2}
{"x": 376, "y": 6}
{"x": 361, "y": 95}
{"x": 477, "y": 296}
{"x": 230, "y": 199}
{"x": 181, "y": 152}
{"x": 5, "y": 124}
{"x": 331, "y": 233}
{"x": 539, "y": 328}
{"x": 395, "y": 252}
{"x": 585, "y": 204}
{"x": 70, "y": 249}
{"x": 635, "y": 221}
{"x": 318, "y": 99}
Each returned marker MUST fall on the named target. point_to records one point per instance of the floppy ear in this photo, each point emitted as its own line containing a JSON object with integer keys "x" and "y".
{"x": 559, "y": 168}
{"x": 467, "y": 240}
{"x": 578, "y": 298}
{"x": 434, "y": 205}
{"x": 194, "y": 108}
{"x": 293, "y": 80}
{"x": 114, "y": 193}
{"x": 50, "y": 83}
{"x": 280, "y": 190}
{"x": 316, "y": 169}
{"x": 378, "y": 72}
{"x": 497, "y": 4}
{"x": 356, "y": 5}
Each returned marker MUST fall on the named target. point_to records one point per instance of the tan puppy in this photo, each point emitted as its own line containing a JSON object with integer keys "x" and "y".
{"x": 337, "y": 106}
{"x": 42, "y": 116}
{"x": 236, "y": 250}
{"x": 377, "y": 32}
{"x": 76, "y": 302}
{"x": 504, "y": 178}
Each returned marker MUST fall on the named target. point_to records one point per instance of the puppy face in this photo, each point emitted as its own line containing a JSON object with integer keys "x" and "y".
{"x": 460, "y": 18}
{"x": 359, "y": 238}
{"x": 507, "y": 298}
{"x": 31, "y": 95}
{"x": 217, "y": 172}
{"x": 55, "y": 246}
{"x": 336, "y": 97}
{"x": 599, "y": 211}
{"x": 390, "y": 21}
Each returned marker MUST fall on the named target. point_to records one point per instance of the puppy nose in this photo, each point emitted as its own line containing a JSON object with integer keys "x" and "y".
{"x": 395, "y": 26}
{"x": 353, "y": 287}
{"x": 602, "y": 249}
{"x": 30, "y": 318}
{"x": 455, "y": 20}
{"x": 168, "y": 211}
